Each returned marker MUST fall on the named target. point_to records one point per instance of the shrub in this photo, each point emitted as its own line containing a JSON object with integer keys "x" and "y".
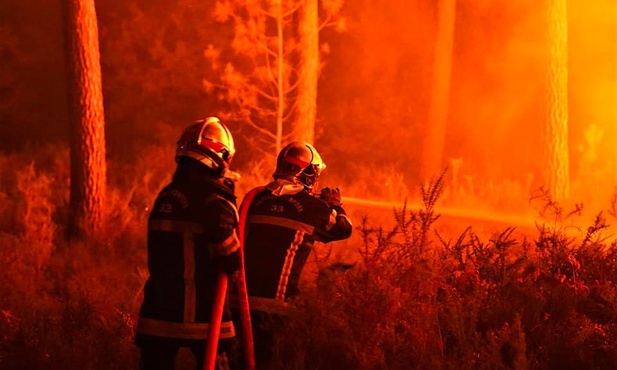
{"x": 415, "y": 298}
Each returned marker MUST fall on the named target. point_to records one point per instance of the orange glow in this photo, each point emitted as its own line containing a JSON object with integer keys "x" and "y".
{"x": 495, "y": 105}
{"x": 497, "y": 95}
{"x": 487, "y": 273}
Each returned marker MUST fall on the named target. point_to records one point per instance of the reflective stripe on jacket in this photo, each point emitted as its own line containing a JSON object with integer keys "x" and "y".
{"x": 280, "y": 234}
{"x": 191, "y": 237}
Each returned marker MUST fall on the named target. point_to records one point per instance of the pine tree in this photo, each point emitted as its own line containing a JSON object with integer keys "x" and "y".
{"x": 556, "y": 156}
{"x": 432, "y": 156}
{"x": 308, "y": 36}
{"x": 88, "y": 165}
{"x": 271, "y": 78}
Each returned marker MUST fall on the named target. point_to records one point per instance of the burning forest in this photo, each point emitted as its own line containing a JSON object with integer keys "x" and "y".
{"x": 440, "y": 175}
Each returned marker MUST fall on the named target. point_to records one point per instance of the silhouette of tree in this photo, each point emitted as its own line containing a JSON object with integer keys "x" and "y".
{"x": 310, "y": 60}
{"x": 272, "y": 80}
{"x": 556, "y": 156}
{"x": 432, "y": 157}
{"x": 308, "y": 37}
{"x": 88, "y": 165}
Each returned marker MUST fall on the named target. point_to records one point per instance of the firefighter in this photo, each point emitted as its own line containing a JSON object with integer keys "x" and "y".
{"x": 191, "y": 239}
{"x": 283, "y": 221}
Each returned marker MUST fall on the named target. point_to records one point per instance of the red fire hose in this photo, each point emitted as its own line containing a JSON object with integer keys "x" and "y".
{"x": 214, "y": 329}
{"x": 219, "y": 299}
{"x": 243, "y": 298}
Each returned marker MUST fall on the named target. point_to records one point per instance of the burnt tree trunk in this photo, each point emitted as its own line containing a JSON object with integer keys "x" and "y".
{"x": 309, "y": 72}
{"x": 88, "y": 166}
{"x": 556, "y": 156}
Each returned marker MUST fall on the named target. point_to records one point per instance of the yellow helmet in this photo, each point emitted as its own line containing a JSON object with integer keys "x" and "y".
{"x": 208, "y": 141}
{"x": 300, "y": 163}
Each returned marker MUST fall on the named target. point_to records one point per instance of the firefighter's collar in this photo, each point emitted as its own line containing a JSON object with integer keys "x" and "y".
{"x": 280, "y": 187}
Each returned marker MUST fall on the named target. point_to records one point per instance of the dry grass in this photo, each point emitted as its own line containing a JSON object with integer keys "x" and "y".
{"x": 423, "y": 293}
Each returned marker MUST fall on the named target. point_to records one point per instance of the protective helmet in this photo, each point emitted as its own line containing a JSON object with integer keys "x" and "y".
{"x": 300, "y": 163}
{"x": 208, "y": 141}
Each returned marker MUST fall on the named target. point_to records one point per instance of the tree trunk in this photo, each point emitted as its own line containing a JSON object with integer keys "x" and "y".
{"x": 432, "y": 155}
{"x": 615, "y": 99}
{"x": 556, "y": 157}
{"x": 309, "y": 71}
{"x": 88, "y": 166}
{"x": 280, "y": 65}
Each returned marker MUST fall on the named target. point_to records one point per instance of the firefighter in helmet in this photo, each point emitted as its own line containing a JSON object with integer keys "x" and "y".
{"x": 191, "y": 239}
{"x": 283, "y": 221}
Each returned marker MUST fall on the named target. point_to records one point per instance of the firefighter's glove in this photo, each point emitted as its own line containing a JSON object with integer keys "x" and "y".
{"x": 331, "y": 196}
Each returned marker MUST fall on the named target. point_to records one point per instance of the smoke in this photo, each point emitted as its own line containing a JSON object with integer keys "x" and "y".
{"x": 375, "y": 89}
{"x": 498, "y": 92}
{"x": 497, "y": 88}
{"x": 593, "y": 98}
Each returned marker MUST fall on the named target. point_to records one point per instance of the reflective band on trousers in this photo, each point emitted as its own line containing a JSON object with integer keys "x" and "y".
{"x": 180, "y": 330}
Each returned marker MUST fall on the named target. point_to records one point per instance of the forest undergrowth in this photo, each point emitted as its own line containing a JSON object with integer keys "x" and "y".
{"x": 414, "y": 299}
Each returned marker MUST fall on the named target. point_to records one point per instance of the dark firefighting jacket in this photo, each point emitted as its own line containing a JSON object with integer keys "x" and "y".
{"x": 191, "y": 237}
{"x": 279, "y": 235}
